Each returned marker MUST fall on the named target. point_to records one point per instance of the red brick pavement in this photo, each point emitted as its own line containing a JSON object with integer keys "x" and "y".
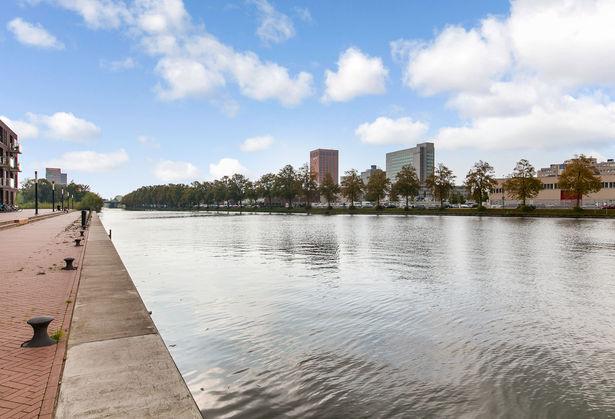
{"x": 32, "y": 284}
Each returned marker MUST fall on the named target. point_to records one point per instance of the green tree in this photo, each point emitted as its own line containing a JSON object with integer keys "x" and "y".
{"x": 251, "y": 192}
{"x": 441, "y": 183}
{"x": 266, "y": 187}
{"x": 329, "y": 189}
{"x": 377, "y": 186}
{"x": 522, "y": 184}
{"x": 352, "y": 186}
{"x": 580, "y": 177}
{"x": 91, "y": 201}
{"x": 479, "y": 181}
{"x": 407, "y": 183}
{"x": 287, "y": 184}
{"x": 308, "y": 185}
{"x": 237, "y": 188}
{"x": 220, "y": 189}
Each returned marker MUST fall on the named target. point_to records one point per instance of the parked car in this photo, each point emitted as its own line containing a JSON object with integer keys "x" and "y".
{"x": 608, "y": 206}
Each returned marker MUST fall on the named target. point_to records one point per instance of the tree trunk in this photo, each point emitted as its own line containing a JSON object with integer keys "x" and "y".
{"x": 407, "y": 201}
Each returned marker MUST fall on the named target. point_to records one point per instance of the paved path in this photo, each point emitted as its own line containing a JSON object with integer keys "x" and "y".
{"x": 32, "y": 284}
{"x": 117, "y": 365}
{"x": 18, "y": 215}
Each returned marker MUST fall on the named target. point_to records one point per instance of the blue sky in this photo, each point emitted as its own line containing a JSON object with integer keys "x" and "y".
{"x": 128, "y": 93}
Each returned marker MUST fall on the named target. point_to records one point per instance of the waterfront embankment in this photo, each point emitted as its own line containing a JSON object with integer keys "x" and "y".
{"x": 117, "y": 364}
{"x": 467, "y": 212}
{"x": 33, "y": 284}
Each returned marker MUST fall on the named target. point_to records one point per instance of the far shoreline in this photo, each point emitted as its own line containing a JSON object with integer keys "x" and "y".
{"x": 467, "y": 212}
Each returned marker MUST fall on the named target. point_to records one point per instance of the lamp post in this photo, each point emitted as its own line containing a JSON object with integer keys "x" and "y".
{"x": 36, "y": 192}
{"x": 53, "y": 195}
{"x": 62, "y": 199}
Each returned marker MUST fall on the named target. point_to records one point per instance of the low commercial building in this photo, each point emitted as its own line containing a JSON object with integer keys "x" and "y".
{"x": 552, "y": 196}
{"x": 367, "y": 173}
{"x": 9, "y": 165}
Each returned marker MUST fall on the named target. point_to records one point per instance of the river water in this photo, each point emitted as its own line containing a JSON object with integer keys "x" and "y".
{"x": 380, "y": 316}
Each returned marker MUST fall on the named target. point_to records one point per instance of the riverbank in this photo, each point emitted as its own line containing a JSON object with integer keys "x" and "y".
{"x": 468, "y": 212}
{"x": 117, "y": 364}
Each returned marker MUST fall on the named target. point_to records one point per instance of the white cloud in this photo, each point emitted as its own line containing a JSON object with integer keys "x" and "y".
{"x": 89, "y": 161}
{"x": 98, "y": 14}
{"x": 274, "y": 26}
{"x": 226, "y": 167}
{"x": 60, "y": 126}
{"x": 391, "y": 131}
{"x": 457, "y": 59}
{"x": 535, "y": 79}
{"x": 192, "y": 62}
{"x": 24, "y": 130}
{"x": 33, "y": 34}
{"x": 127, "y": 63}
{"x": 147, "y": 141}
{"x": 173, "y": 171}
{"x": 257, "y": 143}
{"x": 357, "y": 75}
{"x": 304, "y": 14}
{"x": 66, "y": 126}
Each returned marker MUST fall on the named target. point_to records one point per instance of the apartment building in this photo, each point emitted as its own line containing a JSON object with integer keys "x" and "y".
{"x": 421, "y": 157}
{"x": 323, "y": 161}
{"x": 9, "y": 164}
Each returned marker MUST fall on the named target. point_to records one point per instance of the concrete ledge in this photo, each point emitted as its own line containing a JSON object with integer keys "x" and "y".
{"x": 22, "y": 221}
{"x": 117, "y": 364}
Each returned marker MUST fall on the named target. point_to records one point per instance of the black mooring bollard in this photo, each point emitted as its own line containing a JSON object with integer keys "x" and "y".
{"x": 81, "y": 233}
{"x": 109, "y": 234}
{"x": 83, "y": 215}
{"x": 77, "y": 242}
{"x": 40, "y": 337}
{"x": 69, "y": 264}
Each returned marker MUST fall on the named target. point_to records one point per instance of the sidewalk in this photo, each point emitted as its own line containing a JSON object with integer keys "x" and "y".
{"x": 19, "y": 215}
{"x": 33, "y": 284}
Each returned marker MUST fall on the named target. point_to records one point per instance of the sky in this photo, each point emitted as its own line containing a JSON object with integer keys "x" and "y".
{"x": 122, "y": 94}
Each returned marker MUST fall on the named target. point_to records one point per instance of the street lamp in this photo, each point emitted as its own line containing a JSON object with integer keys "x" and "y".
{"x": 53, "y": 195}
{"x": 62, "y": 199}
{"x": 36, "y": 192}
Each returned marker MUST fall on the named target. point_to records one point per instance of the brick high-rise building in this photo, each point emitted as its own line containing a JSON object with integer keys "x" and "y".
{"x": 9, "y": 164}
{"x": 323, "y": 161}
{"x": 53, "y": 174}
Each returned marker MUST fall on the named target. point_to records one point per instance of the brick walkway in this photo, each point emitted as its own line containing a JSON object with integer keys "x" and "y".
{"x": 32, "y": 284}
{"x": 17, "y": 215}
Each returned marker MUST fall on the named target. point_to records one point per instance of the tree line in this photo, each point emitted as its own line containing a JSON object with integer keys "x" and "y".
{"x": 291, "y": 185}
{"x": 80, "y": 194}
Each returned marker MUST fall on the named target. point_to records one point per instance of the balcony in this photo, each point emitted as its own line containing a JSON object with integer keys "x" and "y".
{"x": 15, "y": 149}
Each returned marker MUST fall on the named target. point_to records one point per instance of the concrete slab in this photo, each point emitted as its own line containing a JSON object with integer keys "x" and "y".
{"x": 123, "y": 378}
{"x": 117, "y": 365}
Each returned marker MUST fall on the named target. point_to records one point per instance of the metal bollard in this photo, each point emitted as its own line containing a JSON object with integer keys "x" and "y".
{"x": 81, "y": 233}
{"x": 83, "y": 215}
{"x": 77, "y": 242}
{"x": 109, "y": 234}
{"x": 69, "y": 264}
{"x": 40, "y": 336}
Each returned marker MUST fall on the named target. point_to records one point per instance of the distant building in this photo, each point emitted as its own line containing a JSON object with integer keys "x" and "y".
{"x": 9, "y": 164}
{"x": 552, "y": 196}
{"x": 421, "y": 157}
{"x": 323, "y": 161}
{"x": 53, "y": 174}
{"x": 367, "y": 173}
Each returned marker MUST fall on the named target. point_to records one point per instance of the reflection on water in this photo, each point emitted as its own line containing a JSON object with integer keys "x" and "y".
{"x": 366, "y": 316}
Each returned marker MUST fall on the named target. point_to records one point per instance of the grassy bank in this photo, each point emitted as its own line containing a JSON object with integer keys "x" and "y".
{"x": 495, "y": 212}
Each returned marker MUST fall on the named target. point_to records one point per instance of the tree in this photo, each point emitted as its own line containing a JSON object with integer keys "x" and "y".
{"x": 377, "y": 186}
{"x": 220, "y": 190}
{"x": 329, "y": 189}
{"x": 580, "y": 177}
{"x": 287, "y": 184}
{"x": 522, "y": 184}
{"x": 237, "y": 188}
{"x": 308, "y": 185}
{"x": 352, "y": 186}
{"x": 266, "y": 186}
{"x": 407, "y": 183}
{"x": 441, "y": 183}
{"x": 91, "y": 201}
{"x": 479, "y": 181}
{"x": 251, "y": 192}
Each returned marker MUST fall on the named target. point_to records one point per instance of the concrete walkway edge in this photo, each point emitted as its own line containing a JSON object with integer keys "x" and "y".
{"x": 117, "y": 365}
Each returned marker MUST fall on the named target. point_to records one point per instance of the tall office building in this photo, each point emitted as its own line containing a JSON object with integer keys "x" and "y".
{"x": 421, "y": 157}
{"x": 9, "y": 165}
{"x": 53, "y": 174}
{"x": 323, "y": 161}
